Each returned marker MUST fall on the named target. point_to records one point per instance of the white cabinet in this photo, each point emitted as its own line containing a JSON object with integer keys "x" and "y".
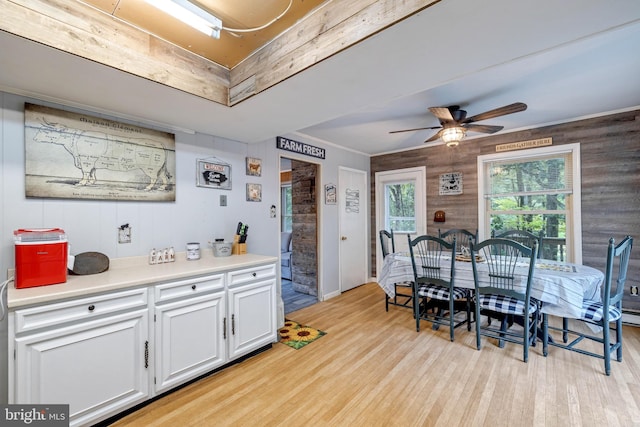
{"x": 90, "y": 353}
{"x": 189, "y": 330}
{"x": 108, "y": 352}
{"x": 252, "y": 309}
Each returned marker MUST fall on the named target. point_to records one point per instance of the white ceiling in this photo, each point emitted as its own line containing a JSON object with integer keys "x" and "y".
{"x": 566, "y": 60}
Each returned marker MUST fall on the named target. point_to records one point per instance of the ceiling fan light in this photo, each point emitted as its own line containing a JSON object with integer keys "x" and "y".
{"x": 453, "y": 135}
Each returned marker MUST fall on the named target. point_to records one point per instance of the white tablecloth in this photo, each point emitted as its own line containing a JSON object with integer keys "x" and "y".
{"x": 560, "y": 291}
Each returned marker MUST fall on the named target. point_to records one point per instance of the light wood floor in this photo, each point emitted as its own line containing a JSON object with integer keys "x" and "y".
{"x": 373, "y": 369}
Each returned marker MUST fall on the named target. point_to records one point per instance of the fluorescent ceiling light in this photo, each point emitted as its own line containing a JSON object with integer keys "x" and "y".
{"x": 191, "y": 15}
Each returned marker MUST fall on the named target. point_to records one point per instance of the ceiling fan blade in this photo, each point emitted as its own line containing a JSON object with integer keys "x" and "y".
{"x": 411, "y": 130}
{"x": 483, "y": 128}
{"x": 436, "y": 136}
{"x": 442, "y": 113}
{"x": 502, "y": 111}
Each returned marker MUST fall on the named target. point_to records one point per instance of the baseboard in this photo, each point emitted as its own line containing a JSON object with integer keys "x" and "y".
{"x": 330, "y": 295}
{"x": 631, "y": 317}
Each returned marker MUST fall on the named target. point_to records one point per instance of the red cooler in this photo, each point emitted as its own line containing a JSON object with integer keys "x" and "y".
{"x": 41, "y": 257}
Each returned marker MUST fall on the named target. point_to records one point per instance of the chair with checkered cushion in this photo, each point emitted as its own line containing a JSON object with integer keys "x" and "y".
{"x": 436, "y": 299}
{"x": 602, "y": 313}
{"x": 403, "y": 290}
{"x": 503, "y": 285}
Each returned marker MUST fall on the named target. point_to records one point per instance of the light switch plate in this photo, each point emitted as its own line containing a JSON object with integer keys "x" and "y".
{"x": 223, "y": 200}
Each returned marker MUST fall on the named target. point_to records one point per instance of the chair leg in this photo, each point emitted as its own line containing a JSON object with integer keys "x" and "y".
{"x": 416, "y": 309}
{"x": 607, "y": 348}
{"x": 565, "y": 328}
{"x": 526, "y": 338}
{"x": 451, "y": 319}
{"x": 619, "y": 339}
{"x": 386, "y": 302}
{"x": 503, "y": 328}
{"x": 468, "y": 312}
{"x": 545, "y": 334}
{"x": 477, "y": 314}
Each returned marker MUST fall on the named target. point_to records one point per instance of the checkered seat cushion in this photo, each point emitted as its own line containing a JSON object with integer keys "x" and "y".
{"x": 441, "y": 292}
{"x": 505, "y": 304}
{"x": 594, "y": 311}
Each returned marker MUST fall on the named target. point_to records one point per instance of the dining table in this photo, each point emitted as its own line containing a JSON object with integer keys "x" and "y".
{"x": 561, "y": 287}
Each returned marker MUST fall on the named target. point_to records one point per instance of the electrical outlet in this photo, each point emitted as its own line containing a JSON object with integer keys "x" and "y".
{"x": 633, "y": 290}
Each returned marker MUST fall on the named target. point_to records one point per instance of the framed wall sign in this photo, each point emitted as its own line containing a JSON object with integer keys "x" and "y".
{"x": 330, "y": 194}
{"x": 254, "y": 192}
{"x": 79, "y": 156}
{"x": 451, "y": 183}
{"x": 213, "y": 173}
{"x": 254, "y": 166}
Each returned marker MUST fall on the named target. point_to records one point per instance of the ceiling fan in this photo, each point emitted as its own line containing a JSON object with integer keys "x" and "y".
{"x": 454, "y": 122}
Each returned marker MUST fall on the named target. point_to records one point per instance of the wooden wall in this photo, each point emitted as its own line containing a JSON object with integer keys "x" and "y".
{"x": 610, "y": 154}
{"x": 304, "y": 257}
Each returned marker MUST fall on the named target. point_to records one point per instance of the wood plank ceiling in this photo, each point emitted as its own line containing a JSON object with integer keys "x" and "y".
{"x": 232, "y": 47}
{"x": 119, "y": 33}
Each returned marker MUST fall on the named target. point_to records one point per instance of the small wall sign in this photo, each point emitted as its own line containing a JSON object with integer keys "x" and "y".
{"x": 213, "y": 173}
{"x": 299, "y": 147}
{"x": 524, "y": 144}
{"x": 330, "y": 194}
{"x": 254, "y": 166}
{"x": 451, "y": 183}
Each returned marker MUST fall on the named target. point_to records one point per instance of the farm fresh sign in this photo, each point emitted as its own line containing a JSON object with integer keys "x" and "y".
{"x": 299, "y": 147}
{"x": 77, "y": 156}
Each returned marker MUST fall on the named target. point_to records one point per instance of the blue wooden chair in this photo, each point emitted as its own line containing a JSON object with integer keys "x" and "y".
{"x": 435, "y": 293}
{"x": 522, "y": 236}
{"x": 463, "y": 237}
{"x": 499, "y": 289}
{"x": 600, "y": 313}
{"x": 403, "y": 291}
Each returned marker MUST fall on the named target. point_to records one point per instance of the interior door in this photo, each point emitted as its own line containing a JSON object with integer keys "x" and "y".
{"x": 354, "y": 247}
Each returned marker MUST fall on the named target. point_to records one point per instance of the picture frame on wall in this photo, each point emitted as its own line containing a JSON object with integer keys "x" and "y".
{"x": 254, "y": 192}
{"x": 330, "y": 194}
{"x": 213, "y": 173}
{"x": 254, "y": 166}
{"x": 451, "y": 184}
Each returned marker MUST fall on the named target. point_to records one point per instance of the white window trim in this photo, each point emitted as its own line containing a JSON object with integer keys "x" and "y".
{"x": 417, "y": 174}
{"x": 574, "y": 228}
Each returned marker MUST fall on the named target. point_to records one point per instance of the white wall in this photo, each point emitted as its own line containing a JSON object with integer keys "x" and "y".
{"x": 196, "y": 215}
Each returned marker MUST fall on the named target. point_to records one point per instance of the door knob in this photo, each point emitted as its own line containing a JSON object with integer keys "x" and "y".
{"x": 343, "y": 238}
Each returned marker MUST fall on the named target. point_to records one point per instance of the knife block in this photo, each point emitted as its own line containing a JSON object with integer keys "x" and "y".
{"x": 238, "y": 248}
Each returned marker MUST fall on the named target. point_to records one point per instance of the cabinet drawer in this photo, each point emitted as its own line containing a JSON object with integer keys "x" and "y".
{"x": 261, "y": 272}
{"x": 29, "y": 319}
{"x": 188, "y": 287}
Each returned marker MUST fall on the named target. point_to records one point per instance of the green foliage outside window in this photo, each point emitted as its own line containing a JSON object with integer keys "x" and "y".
{"x": 401, "y": 215}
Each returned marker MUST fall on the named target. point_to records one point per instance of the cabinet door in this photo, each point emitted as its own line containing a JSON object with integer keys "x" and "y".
{"x": 189, "y": 339}
{"x": 252, "y": 317}
{"x": 99, "y": 367}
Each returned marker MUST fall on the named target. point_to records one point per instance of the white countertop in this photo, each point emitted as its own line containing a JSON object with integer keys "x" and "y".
{"x": 130, "y": 272}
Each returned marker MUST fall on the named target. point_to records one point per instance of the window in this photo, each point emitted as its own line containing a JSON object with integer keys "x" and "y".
{"x": 286, "y": 215}
{"x": 400, "y": 205}
{"x": 536, "y": 191}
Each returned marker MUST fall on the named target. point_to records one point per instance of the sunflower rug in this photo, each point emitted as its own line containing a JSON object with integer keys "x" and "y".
{"x": 296, "y": 335}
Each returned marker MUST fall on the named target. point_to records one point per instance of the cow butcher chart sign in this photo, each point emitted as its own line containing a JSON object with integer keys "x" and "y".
{"x": 77, "y": 156}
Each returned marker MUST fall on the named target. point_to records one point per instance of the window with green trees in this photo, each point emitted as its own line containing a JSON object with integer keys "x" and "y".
{"x": 531, "y": 194}
{"x": 401, "y": 207}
